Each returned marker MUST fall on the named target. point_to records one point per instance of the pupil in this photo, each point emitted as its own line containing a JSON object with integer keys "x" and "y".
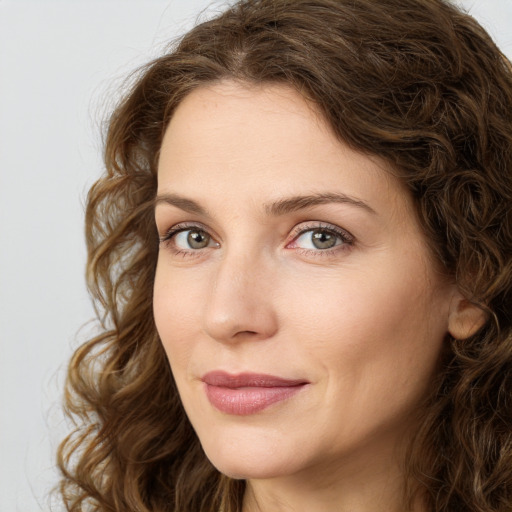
{"x": 323, "y": 240}
{"x": 197, "y": 239}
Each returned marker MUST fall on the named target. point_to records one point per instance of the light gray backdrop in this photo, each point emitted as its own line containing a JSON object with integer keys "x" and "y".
{"x": 59, "y": 62}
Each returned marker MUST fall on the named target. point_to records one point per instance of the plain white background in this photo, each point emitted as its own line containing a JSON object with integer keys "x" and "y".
{"x": 60, "y": 63}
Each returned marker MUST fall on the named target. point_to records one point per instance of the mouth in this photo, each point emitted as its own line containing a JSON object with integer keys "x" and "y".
{"x": 248, "y": 393}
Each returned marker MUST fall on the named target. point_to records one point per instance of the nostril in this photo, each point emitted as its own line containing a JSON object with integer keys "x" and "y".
{"x": 246, "y": 333}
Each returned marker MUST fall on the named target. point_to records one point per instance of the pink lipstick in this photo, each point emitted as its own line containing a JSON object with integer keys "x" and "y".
{"x": 247, "y": 393}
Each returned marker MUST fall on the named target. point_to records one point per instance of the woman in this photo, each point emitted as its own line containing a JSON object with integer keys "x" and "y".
{"x": 300, "y": 252}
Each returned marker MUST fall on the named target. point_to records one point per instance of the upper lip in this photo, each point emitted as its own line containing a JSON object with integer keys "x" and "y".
{"x": 241, "y": 380}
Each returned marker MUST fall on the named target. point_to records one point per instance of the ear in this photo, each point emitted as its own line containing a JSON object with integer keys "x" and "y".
{"x": 465, "y": 318}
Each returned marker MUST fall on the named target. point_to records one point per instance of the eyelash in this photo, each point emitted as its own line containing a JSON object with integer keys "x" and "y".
{"x": 347, "y": 240}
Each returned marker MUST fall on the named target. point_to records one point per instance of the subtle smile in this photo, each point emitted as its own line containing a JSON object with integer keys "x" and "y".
{"x": 248, "y": 393}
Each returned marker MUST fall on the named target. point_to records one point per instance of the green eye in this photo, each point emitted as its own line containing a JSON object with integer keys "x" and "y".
{"x": 318, "y": 239}
{"x": 192, "y": 239}
{"x": 322, "y": 239}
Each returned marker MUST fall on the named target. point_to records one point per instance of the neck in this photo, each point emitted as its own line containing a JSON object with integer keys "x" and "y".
{"x": 376, "y": 483}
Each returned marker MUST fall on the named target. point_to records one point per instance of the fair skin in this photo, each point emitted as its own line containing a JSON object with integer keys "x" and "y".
{"x": 336, "y": 291}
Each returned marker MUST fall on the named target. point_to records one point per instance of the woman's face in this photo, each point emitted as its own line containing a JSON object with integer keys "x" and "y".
{"x": 294, "y": 295}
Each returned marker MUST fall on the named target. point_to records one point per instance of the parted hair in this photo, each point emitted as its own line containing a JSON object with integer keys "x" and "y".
{"x": 418, "y": 83}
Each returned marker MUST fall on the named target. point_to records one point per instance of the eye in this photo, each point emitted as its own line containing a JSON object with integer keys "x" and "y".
{"x": 188, "y": 238}
{"x": 317, "y": 239}
{"x": 321, "y": 238}
{"x": 192, "y": 239}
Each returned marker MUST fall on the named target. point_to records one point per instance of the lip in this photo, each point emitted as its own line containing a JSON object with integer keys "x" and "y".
{"x": 248, "y": 393}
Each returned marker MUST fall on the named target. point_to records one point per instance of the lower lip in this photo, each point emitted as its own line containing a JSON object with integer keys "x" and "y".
{"x": 249, "y": 400}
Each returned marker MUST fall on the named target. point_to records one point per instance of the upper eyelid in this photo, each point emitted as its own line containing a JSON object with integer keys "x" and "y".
{"x": 184, "y": 226}
{"x": 322, "y": 225}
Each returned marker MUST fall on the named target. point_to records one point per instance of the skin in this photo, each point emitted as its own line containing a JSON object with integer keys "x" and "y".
{"x": 363, "y": 322}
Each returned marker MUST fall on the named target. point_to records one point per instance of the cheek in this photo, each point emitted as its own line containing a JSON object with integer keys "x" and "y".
{"x": 362, "y": 322}
{"x": 176, "y": 309}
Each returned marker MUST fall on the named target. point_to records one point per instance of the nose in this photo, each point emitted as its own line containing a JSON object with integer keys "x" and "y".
{"x": 240, "y": 305}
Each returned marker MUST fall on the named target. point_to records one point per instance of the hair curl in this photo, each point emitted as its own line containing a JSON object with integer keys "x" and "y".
{"x": 416, "y": 82}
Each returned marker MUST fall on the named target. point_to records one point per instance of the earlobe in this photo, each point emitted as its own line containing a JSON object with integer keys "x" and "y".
{"x": 465, "y": 318}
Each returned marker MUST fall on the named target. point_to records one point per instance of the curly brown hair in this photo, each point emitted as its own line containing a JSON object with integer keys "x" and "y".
{"x": 416, "y": 82}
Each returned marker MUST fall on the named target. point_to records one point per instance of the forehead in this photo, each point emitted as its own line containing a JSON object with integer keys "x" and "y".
{"x": 251, "y": 116}
{"x": 237, "y": 141}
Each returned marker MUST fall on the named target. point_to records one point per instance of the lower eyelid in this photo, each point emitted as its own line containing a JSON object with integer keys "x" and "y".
{"x": 324, "y": 252}
{"x": 334, "y": 252}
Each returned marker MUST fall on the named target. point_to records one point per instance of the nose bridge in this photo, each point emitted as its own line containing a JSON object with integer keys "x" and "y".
{"x": 240, "y": 299}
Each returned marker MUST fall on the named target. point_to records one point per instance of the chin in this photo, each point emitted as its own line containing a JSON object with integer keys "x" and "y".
{"x": 250, "y": 462}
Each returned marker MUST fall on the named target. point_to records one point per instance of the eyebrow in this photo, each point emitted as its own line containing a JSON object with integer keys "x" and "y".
{"x": 187, "y": 205}
{"x": 295, "y": 203}
{"x": 275, "y": 208}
